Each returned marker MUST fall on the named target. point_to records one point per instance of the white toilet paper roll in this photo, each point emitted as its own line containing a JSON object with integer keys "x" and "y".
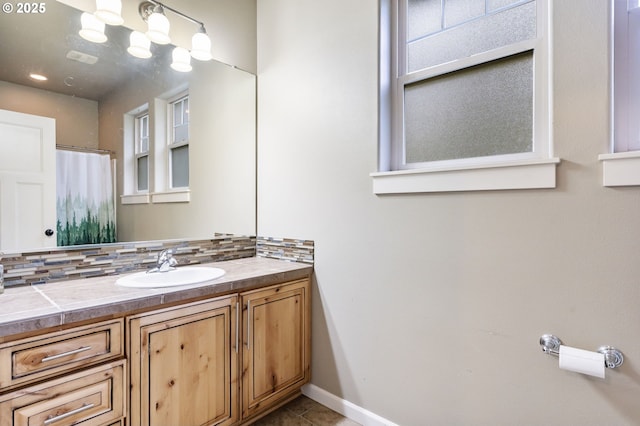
{"x": 581, "y": 361}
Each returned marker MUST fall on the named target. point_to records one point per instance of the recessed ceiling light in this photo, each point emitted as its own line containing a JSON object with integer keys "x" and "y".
{"x": 38, "y": 77}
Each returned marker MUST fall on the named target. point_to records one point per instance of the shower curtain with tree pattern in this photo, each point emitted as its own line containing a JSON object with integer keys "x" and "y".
{"x": 85, "y": 206}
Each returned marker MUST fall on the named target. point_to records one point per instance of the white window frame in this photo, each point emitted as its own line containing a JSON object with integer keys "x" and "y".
{"x": 621, "y": 166}
{"x": 131, "y": 194}
{"x": 172, "y": 142}
{"x": 164, "y": 192}
{"x": 160, "y": 112}
{"x": 536, "y": 169}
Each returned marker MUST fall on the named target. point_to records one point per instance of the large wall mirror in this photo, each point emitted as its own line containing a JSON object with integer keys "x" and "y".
{"x": 95, "y": 91}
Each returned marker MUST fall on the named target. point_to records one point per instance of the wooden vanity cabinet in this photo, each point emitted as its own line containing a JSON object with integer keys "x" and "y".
{"x": 276, "y": 345}
{"x": 222, "y": 361}
{"x": 183, "y": 364}
{"x": 184, "y": 360}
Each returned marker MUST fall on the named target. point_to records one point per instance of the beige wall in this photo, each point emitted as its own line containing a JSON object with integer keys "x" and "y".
{"x": 428, "y": 308}
{"x": 76, "y": 118}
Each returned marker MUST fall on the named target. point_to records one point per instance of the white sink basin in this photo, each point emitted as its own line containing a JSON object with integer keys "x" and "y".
{"x": 174, "y": 277}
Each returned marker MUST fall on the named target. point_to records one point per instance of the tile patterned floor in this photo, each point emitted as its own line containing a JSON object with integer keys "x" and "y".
{"x": 303, "y": 411}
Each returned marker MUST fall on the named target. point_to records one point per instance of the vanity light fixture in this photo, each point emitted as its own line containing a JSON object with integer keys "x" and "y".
{"x": 158, "y": 25}
{"x": 92, "y": 28}
{"x": 109, "y": 11}
{"x": 152, "y": 12}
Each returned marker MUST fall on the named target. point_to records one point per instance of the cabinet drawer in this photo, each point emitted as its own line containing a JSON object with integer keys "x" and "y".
{"x": 92, "y": 397}
{"x": 43, "y": 356}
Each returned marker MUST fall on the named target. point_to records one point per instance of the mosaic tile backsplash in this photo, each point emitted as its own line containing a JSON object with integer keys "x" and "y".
{"x": 62, "y": 264}
{"x": 286, "y": 249}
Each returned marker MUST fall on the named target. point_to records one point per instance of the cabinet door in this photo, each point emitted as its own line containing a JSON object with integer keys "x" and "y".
{"x": 184, "y": 365}
{"x": 276, "y": 336}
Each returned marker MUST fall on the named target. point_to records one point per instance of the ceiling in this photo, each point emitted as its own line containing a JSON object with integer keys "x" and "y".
{"x": 40, "y": 43}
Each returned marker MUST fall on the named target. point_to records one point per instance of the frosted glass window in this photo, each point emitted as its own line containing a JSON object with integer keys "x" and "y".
{"x": 465, "y": 96}
{"x": 626, "y": 62}
{"x": 181, "y": 133}
{"x": 423, "y": 17}
{"x": 459, "y": 11}
{"x": 469, "y": 80}
{"x": 180, "y": 167}
{"x": 142, "y": 170}
{"x": 499, "y": 4}
{"x": 488, "y": 32}
{"x": 479, "y": 111}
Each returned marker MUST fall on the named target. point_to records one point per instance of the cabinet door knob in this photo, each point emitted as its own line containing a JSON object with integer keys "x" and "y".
{"x": 48, "y": 232}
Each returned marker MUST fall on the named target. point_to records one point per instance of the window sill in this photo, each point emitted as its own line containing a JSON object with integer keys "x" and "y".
{"x": 171, "y": 197}
{"x": 620, "y": 169}
{"x": 135, "y": 199}
{"x": 517, "y": 175}
{"x": 157, "y": 197}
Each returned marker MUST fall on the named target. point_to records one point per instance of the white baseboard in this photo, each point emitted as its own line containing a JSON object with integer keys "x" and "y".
{"x": 346, "y": 408}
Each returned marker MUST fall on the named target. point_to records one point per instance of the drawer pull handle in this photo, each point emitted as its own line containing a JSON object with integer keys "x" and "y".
{"x": 68, "y": 414}
{"x": 73, "y": 352}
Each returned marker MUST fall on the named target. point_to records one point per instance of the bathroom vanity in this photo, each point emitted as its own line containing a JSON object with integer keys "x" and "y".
{"x": 224, "y": 352}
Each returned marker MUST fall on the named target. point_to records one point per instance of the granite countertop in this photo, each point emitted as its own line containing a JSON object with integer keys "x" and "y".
{"x": 31, "y": 308}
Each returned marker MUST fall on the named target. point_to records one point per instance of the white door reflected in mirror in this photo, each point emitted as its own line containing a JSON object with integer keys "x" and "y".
{"x": 27, "y": 181}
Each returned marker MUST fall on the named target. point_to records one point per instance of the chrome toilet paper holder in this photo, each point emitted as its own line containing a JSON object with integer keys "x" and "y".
{"x": 613, "y": 358}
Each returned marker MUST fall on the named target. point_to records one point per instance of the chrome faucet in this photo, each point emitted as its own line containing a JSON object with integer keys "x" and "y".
{"x": 165, "y": 261}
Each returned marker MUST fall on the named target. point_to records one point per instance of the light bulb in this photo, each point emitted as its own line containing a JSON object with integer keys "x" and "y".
{"x": 109, "y": 11}
{"x": 181, "y": 60}
{"x": 92, "y": 28}
{"x": 158, "y": 28}
{"x": 201, "y": 46}
{"x": 139, "y": 45}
